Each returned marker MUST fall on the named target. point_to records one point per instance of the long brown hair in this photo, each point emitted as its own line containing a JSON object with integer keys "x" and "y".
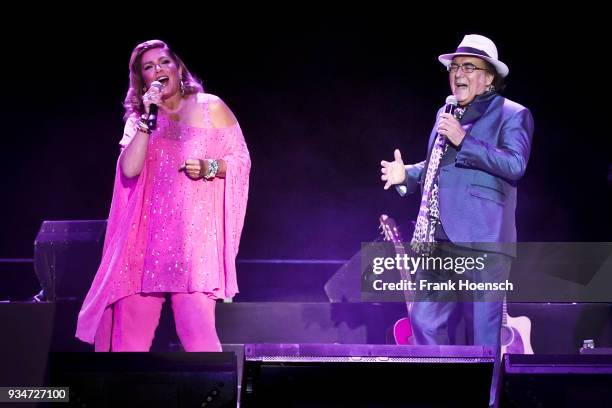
{"x": 133, "y": 100}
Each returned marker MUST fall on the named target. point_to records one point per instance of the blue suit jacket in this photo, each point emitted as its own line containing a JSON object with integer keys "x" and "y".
{"x": 478, "y": 191}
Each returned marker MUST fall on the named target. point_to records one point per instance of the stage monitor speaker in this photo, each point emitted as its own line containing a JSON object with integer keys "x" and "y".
{"x": 345, "y": 375}
{"x": 66, "y": 257}
{"x": 548, "y": 380}
{"x": 168, "y": 380}
{"x": 346, "y": 283}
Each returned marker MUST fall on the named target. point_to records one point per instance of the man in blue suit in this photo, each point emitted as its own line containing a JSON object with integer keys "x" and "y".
{"x": 475, "y": 158}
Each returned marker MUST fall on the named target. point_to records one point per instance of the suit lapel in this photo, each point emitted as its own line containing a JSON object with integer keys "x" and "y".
{"x": 491, "y": 109}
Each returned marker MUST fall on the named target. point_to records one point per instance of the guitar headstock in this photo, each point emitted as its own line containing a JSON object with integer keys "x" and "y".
{"x": 389, "y": 229}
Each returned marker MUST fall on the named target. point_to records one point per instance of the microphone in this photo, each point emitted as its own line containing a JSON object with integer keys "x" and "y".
{"x": 153, "y": 109}
{"x": 451, "y": 104}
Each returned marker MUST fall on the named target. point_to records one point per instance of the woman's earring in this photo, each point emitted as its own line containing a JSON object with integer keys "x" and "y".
{"x": 182, "y": 88}
{"x": 491, "y": 88}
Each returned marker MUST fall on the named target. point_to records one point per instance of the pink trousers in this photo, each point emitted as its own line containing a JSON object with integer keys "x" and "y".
{"x": 136, "y": 317}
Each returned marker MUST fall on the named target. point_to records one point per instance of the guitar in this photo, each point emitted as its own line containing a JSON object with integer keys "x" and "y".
{"x": 515, "y": 331}
{"x": 515, "y": 334}
{"x": 402, "y": 330}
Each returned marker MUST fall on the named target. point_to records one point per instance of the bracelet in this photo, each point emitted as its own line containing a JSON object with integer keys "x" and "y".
{"x": 213, "y": 168}
{"x": 142, "y": 126}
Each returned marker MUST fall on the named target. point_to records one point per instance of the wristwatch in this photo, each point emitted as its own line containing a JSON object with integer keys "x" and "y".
{"x": 213, "y": 168}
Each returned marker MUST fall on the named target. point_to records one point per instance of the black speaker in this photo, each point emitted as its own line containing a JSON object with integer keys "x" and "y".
{"x": 203, "y": 380}
{"x": 66, "y": 257}
{"x": 345, "y": 285}
{"x": 27, "y": 331}
{"x": 344, "y": 375}
{"x": 547, "y": 380}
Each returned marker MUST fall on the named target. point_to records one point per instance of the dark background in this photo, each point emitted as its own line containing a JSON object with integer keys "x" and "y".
{"x": 321, "y": 100}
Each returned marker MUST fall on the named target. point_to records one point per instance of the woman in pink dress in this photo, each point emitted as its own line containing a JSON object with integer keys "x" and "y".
{"x": 177, "y": 212}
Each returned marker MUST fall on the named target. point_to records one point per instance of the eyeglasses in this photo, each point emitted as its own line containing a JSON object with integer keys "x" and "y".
{"x": 467, "y": 67}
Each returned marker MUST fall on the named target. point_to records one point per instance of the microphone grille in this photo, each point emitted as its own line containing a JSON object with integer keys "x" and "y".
{"x": 157, "y": 85}
{"x": 451, "y": 100}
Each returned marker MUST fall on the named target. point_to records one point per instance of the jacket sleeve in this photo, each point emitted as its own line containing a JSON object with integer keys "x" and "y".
{"x": 509, "y": 158}
{"x": 413, "y": 177}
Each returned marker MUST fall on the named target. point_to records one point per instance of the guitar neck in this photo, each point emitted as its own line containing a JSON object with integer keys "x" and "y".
{"x": 399, "y": 250}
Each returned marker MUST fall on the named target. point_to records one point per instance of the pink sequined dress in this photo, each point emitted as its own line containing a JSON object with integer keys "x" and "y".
{"x": 166, "y": 232}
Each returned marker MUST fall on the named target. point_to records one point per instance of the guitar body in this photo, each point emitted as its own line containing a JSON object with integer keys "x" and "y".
{"x": 516, "y": 336}
{"x": 402, "y": 331}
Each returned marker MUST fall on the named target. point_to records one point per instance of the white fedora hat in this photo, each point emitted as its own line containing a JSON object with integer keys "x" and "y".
{"x": 477, "y": 46}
